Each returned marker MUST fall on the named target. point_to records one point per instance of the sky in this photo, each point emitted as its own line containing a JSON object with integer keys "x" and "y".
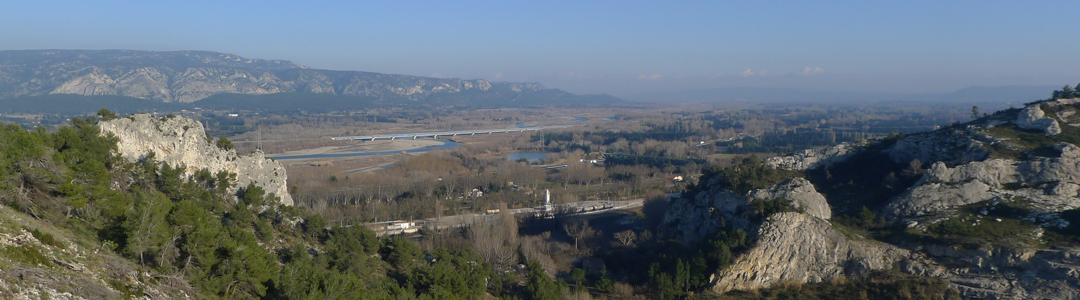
{"x": 623, "y": 48}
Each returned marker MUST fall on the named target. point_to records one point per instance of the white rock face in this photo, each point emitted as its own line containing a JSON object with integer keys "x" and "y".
{"x": 700, "y": 217}
{"x": 1032, "y": 117}
{"x": 995, "y": 272}
{"x": 812, "y": 158}
{"x": 796, "y": 247}
{"x": 92, "y": 84}
{"x": 1049, "y": 184}
{"x": 183, "y": 141}
{"x": 801, "y": 193}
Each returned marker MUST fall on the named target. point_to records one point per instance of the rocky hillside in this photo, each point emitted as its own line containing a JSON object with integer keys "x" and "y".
{"x": 41, "y": 261}
{"x": 188, "y": 76}
{"x": 182, "y": 141}
{"x": 991, "y": 206}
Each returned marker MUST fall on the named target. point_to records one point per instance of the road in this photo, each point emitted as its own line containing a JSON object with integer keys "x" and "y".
{"x": 576, "y": 208}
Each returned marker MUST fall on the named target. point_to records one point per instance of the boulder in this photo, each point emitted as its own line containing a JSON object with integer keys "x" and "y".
{"x": 1032, "y": 117}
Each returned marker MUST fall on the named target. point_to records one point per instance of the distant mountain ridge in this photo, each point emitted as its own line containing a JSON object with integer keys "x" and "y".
{"x": 999, "y": 94}
{"x": 189, "y": 76}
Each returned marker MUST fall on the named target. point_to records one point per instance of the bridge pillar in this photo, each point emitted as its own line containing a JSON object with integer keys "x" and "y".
{"x": 392, "y": 138}
{"x": 436, "y": 137}
{"x": 414, "y": 137}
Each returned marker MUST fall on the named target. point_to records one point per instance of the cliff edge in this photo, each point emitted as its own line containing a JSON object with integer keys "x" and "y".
{"x": 179, "y": 140}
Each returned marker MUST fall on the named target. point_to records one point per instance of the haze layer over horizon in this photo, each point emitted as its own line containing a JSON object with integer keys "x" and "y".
{"x": 619, "y": 48}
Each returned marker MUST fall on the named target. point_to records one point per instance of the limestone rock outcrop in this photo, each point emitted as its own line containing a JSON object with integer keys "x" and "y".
{"x": 812, "y": 158}
{"x": 178, "y": 140}
{"x": 791, "y": 246}
{"x": 991, "y": 272}
{"x": 801, "y": 193}
{"x": 1048, "y": 184}
{"x": 1032, "y": 117}
{"x": 796, "y": 247}
{"x": 970, "y": 166}
{"x": 951, "y": 146}
{"x": 696, "y": 218}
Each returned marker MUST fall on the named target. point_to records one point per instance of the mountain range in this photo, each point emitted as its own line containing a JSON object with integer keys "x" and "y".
{"x": 190, "y": 76}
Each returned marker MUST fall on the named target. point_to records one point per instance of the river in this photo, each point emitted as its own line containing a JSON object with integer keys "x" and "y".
{"x": 531, "y": 156}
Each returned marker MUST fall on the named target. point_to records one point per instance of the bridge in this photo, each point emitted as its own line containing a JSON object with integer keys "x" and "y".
{"x": 437, "y": 134}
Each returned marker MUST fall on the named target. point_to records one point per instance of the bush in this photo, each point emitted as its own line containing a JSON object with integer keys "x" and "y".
{"x": 224, "y": 144}
{"x": 46, "y": 238}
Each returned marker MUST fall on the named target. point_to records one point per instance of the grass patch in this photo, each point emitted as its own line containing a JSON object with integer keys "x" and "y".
{"x": 852, "y": 233}
{"x": 1013, "y": 229}
{"x": 27, "y": 255}
{"x": 1030, "y": 143}
{"x": 982, "y": 228}
{"x": 973, "y": 229}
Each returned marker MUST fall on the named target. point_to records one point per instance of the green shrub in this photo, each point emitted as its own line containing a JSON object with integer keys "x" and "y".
{"x": 224, "y": 144}
{"x": 46, "y": 238}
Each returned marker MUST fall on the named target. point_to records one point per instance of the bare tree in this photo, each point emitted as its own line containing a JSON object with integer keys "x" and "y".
{"x": 450, "y": 182}
{"x": 624, "y": 291}
{"x": 578, "y": 229}
{"x": 537, "y": 248}
{"x": 626, "y": 237}
{"x": 914, "y": 168}
{"x": 495, "y": 239}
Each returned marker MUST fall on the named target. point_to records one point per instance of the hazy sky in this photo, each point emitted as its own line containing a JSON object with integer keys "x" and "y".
{"x": 618, "y": 47}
